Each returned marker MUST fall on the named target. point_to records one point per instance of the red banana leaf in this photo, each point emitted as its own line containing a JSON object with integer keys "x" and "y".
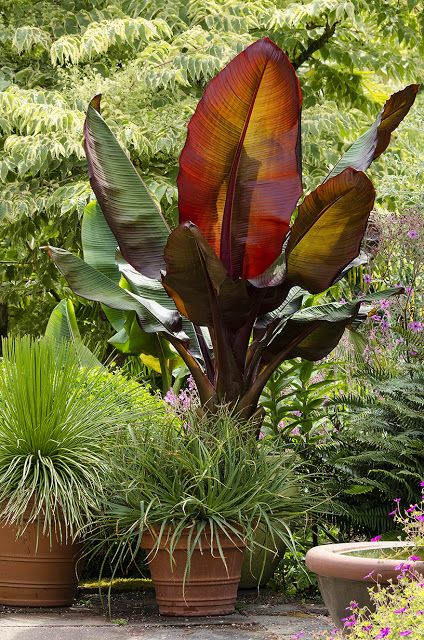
{"x": 240, "y": 170}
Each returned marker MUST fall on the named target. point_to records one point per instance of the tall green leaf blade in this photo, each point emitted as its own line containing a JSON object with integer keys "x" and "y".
{"x": 376, "y": 140}
{"x": 135, "y": 220}
{"x": 93, "y": 285}
{"x": 98, "y": 242}
{"x": 62, "y": 325}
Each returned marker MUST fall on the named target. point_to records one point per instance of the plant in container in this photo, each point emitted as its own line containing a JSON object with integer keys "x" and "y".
{"x": 193, "y": 495}
{"x": 226, "y": 287}
{"x": 56, "y": 420}
{"x": 346, "y": 571}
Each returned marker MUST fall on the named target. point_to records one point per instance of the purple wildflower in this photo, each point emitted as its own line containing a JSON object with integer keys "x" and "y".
{"x": 376, "y": 538}
{"x": 407, "y": 632}
{"x": 297, "y": 413}
{"x": 414, "y": 558}
{"x": 411, "y": 508}
{"x": 402, "y": 610}
{"x": 422, "y": 483}
{"x": 367, "y": 278}
{"x": 420, "y": 517}
{"x": 413, "y": 234}
{"x": 384, "y": 324}
{"x": 295, "y": 431}
{"x": 367, "y": 627}
{"x": 399, "y": 499}
{"x": 392, "y": 513}
{"x": 369, "y": 575}
{"x": 261, "y": 435}
{"x": 383, "y": 633}
{"x": 415, "y": 326}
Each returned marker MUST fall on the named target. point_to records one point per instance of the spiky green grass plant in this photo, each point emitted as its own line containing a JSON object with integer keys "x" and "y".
{"x": 209, "y": 474}
{"x": 57, "y": 423}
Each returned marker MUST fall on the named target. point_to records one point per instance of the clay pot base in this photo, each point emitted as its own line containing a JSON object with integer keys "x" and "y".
{"x": 32, "y": 576}
{"x": 208, "y": 591}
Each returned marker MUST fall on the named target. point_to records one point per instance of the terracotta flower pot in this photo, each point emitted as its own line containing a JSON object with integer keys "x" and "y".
{"x": 209, "y": 590}
{"x": 35, "y": 574}
{"x": 260, "y": 563}
{"x": 346, "y": 571}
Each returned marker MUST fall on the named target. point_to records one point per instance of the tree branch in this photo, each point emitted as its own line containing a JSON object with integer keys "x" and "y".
{"x": 315, "y": 45}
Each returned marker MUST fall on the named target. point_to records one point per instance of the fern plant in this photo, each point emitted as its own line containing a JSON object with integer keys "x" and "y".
{"x": 377, "y": 453}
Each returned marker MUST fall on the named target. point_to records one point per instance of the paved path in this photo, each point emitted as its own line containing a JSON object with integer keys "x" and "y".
{"x": 263, "y": 618}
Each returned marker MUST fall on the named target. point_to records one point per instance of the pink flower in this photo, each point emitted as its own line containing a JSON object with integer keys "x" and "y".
{"x": 392, "y": 513}
{"x": 422, "y": 483}
{"x": 399, "y": 499}
{"x": 369, "y": 575}
{"x": 414, "y": 558}
{"x": 367, "y": 627}
{"x": 384, "y": 325}
{"x": 411, "y": 508}
{"x": 350, "y": 621}
{"x": 383, "y": 633}
{"x": 407, "y": 632}
{"x": 281, "y": 424}
{"x": 420, "y": 518}
{"x": 415, "y": 326}
{"x": 376, "y": 539}
{"x": 402, "y": 610}
{"x": 261, "y": 435}
{"x": 295, "y": 431}
{"x": 413, "y": 234}
{"x": 297, "y": 413}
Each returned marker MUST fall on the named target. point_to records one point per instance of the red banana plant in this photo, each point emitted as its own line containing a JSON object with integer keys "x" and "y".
{"x": 226, "y": 286}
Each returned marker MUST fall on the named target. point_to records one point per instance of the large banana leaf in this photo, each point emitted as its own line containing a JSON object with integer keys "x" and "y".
{"x": 328, "y": 231}
{"x": 192, "y": 269}
{"x": 62, "y": 325}
{"x": 100, "y": 251}
{"x": 240, "y": 170}
{"x": 376, "y": 140}
{"x": 89, "y": 283}
{"x": 130, "y": 211}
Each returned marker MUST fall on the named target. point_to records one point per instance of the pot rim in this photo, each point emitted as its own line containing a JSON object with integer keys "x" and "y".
{"x": 331, "y": 560}
{"x": 149, "y": 539}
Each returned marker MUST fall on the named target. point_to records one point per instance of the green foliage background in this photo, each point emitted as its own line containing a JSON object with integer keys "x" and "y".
{"x": 151, "y": 60}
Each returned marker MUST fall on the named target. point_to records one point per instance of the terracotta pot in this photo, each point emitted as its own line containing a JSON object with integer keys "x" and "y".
{"x": 209, "y": 590}
{"x": 260, "y": 563}
{"x": 344, "y": 574}
{"x": 36, "y": 575}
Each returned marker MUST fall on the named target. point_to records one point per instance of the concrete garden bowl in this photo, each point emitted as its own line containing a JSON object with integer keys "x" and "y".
{"x": 346, "y": 571}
